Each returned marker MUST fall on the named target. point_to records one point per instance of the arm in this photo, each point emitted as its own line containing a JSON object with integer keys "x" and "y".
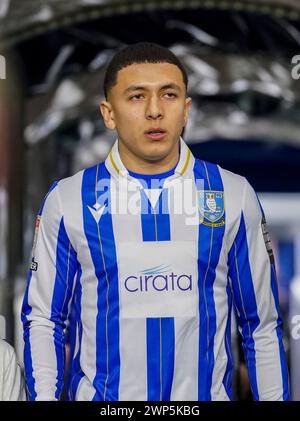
{"x": 255, "y": 294}
{"x": 45, "y": 306}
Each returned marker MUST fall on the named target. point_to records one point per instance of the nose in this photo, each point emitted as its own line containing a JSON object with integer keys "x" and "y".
{"x": 154, "y": 109}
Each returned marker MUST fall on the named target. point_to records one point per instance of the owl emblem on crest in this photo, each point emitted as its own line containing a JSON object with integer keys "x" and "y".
{"x": 211, "y": 207}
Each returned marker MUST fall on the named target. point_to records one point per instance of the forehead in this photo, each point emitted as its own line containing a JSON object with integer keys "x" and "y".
{"x": 149, "y": 74}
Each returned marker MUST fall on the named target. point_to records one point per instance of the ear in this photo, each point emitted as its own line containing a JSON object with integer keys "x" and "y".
{"x": 107, "y": 114}
{"x": 187, "y": 106}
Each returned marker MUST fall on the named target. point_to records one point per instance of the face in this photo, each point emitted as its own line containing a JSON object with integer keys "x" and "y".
{"x": 148, "y": 107}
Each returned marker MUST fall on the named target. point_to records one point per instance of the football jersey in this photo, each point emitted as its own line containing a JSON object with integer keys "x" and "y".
{"x": 147, "y": 275}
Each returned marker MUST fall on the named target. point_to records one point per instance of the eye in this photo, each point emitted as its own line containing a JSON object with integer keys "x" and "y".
{"x": 170, "y": 95}
{"x": 136, "y": 97}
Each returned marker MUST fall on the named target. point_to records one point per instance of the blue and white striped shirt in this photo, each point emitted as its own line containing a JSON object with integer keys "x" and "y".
{"x": 150, "y": 286}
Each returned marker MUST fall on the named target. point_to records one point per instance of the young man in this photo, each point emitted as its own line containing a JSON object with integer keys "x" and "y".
{"x": 150, "y": 250}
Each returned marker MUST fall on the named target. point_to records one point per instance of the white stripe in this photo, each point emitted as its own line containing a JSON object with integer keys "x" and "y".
{"x": 85, "y": 390}
{"x": 218, "y": 391}
{"x": 183, "y": 158}
{"x": 233, "y": 185}
{"x": 185, "y": 381}
{"x": 133, "y": 341}
{"x": 133, "y": 353}
{"x": 221, "y": 395}
{"x": 77, "y": 342}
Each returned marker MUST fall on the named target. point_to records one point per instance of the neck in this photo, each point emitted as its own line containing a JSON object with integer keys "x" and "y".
{"x": 140, "y": 165}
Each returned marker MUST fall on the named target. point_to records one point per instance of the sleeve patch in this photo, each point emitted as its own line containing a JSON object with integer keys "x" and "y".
{"x": 33, "y": 264}
{"x": 267, "y": 239}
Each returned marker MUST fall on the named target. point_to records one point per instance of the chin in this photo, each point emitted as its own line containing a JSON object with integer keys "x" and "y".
{"x": 157, "y": 153}
{"x": 155, "y": 157}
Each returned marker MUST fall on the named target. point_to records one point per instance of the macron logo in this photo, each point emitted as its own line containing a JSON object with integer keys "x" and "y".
{"x": 97, "y": 211}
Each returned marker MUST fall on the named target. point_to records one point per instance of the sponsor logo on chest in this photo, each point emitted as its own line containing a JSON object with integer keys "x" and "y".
{"x": 161, "y": 279}
{"x": 149, "y": 287}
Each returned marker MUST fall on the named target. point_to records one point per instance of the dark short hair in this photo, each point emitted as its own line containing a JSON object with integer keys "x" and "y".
{"x": 141, "y": 52}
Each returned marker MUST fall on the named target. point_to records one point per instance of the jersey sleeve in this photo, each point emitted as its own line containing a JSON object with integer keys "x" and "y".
{"x": 255, "y": 295}
{"x": 49, "y": 290}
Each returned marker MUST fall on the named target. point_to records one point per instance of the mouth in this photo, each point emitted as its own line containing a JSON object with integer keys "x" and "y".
{"x": 155, "y": 133}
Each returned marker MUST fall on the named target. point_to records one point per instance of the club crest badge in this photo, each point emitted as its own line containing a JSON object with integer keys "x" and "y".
{"x": 211, "y": 207}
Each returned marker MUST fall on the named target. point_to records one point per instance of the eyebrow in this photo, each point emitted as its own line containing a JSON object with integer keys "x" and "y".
{"x": 132, "y": 88}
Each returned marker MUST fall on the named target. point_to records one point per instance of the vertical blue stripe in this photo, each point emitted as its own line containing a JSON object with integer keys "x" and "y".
{"x": 75, "y": 372}
{"x": 153, "y": 359}
{"x": 209, "y": 248}
{"x": 279, "y": 331}
{"x": 113, "y": 311}
{"x": 160, "y": 358}
{"x": 160, "y": 331}
{"x": 168, "y": 349}
{"x": 26, "y": 310}
{"x": 147, "y": 219}
{"x": 163, "y": 217}
{"x": 242, "y": 285}
{"x": 66, "y": 267}
{"x": 155, "y": 222}
{"x": 227, "y": 380}
{"x": 100, "y": 239}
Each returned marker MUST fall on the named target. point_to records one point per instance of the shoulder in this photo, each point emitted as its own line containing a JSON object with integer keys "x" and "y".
{"x": 86, "y": 176}
{"x": 238, "y": 194}
{"x": 70, "y": 188}
{"x": 71, "y": 181}
{"x": 230, "y": 181}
